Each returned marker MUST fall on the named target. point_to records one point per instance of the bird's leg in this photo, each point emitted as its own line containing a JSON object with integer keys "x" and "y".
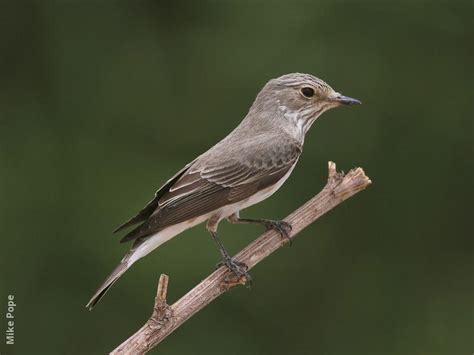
{"x": 238, "y": 268}
{"x": 282, "y": 227}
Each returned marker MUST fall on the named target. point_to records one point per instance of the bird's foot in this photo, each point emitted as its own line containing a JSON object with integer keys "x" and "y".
{"x": 239, "y": 273}
{"x": 282, "y": 227}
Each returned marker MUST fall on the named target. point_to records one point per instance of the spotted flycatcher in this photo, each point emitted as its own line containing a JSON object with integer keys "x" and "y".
{"x": 244, "y": 168}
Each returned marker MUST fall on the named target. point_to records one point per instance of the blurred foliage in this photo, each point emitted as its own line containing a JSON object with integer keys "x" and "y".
{"x": 100, "y": 102}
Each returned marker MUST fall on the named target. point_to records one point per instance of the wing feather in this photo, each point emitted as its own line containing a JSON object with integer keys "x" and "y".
{"x": 206, "y": 187}
{"x": 151, "y": 206}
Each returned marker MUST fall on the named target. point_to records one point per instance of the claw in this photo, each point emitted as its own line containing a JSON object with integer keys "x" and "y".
{"x": 239, "y": 271}
{"x": 282, "y": 227}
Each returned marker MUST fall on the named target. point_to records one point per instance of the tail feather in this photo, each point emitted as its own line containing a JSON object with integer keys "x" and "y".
{"x": 114, "y": 276}
{"x": 140, "y": 248}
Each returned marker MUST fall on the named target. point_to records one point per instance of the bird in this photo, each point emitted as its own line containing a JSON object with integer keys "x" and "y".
{"x": 244, "y": 168}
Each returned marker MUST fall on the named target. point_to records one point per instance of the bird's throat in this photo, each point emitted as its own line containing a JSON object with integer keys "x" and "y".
{"x": 297, "y": 123}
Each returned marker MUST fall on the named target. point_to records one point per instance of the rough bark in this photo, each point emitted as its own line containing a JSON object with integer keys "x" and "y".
{"x": 165, "y": 318}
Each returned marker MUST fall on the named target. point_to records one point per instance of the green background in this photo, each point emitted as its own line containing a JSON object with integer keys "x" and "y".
{"x": 101, "y": 102}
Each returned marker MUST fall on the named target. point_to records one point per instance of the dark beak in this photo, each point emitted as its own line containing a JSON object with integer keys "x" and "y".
{"x": 345, "y": 100}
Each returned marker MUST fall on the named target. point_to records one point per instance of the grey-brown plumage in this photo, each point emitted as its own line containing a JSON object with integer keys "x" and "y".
{"x": 244, "y": 168}
{"x": 218, "y": 178}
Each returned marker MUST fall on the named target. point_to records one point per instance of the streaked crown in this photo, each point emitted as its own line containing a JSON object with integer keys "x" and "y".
{"x": 294, "y": 101}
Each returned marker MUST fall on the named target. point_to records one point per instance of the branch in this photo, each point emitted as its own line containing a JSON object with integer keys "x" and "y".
{"x": 165, "y": 319}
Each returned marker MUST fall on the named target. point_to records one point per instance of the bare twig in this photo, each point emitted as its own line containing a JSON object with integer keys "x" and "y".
{"x": 165, "y": 319}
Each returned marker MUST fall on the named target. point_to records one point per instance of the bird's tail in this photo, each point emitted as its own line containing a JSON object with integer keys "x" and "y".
{"x": 114, "y": 276}
{"x": 139, "y": 249}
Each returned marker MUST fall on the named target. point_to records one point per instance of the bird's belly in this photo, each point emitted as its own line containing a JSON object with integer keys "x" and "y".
{"x": 261, "y": 195}
{"x": 154, "y": 241}
{"x": 166, "y": 234}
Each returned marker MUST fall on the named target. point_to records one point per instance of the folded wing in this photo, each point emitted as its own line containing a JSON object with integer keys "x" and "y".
{"x": 201, "y": 188}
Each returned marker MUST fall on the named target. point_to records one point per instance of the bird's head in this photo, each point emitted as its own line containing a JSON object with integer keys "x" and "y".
{"x": 298, "y": 99}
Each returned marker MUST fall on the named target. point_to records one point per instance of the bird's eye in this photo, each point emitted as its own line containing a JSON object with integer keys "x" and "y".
{"x": 308, "y": 92}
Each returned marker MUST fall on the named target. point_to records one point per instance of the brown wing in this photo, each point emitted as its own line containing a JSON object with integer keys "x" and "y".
{"x": 203, "y": 189}
{"x": 151, "y": 206}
